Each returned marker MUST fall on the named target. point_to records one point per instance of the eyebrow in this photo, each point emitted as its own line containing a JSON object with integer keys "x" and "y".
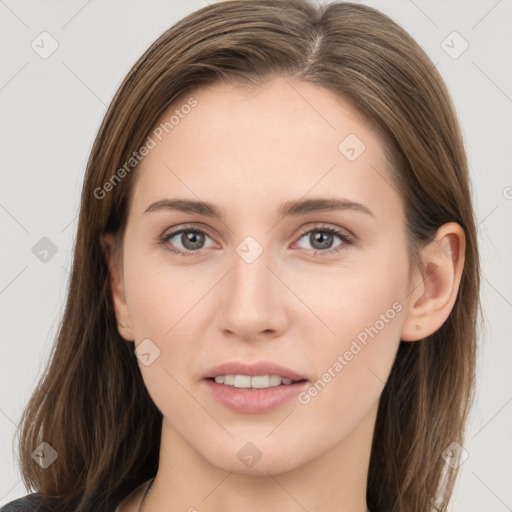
{"x": 290, "y": 208}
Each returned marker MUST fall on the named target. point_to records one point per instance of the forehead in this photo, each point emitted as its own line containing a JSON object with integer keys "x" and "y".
{"x": 238, "y": 144}
{"x": 282, "y": 110}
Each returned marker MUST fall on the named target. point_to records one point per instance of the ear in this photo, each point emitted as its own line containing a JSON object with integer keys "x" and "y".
{"x": 114, "y": 261}
{"x": 432, "y": 298}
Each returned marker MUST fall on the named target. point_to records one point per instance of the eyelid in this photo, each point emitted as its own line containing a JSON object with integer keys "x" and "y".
{"x": 176, "y": 230}
{"x": 325, "y": 226}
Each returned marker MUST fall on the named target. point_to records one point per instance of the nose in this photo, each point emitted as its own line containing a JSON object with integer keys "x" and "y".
{"x": 251, "y": 300}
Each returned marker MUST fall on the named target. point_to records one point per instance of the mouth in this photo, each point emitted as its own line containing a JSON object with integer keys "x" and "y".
{"x": 253, "y": 388}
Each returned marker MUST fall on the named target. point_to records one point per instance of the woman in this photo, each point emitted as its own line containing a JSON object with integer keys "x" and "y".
{"x": 275, "y": 281}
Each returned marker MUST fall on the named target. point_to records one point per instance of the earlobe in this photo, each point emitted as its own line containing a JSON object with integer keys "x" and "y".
{"x": 117, "y": 286}
{"x": 432, "y": 299}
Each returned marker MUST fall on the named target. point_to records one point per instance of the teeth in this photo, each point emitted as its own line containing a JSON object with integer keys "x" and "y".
{"x": 275, "y": 380}
{"x": 258, "y": 381}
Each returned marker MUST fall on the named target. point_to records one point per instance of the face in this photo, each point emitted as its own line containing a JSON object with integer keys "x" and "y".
{"x": 321, "y": 292}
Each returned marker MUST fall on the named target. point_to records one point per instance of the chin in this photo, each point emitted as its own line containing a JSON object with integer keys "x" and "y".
{"x": 247, "y": 459}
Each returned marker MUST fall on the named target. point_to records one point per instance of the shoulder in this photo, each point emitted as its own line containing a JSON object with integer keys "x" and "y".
{"x": 29, "y": 503}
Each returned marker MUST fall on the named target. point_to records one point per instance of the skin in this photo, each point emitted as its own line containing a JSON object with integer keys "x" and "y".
{"x": 289, "y": 306}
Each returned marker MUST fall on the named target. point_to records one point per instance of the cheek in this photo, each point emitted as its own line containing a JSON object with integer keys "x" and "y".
{"x": 164, "y": 304}
{"x": 167, "y": 305}
{"x": 361, "y": 313}
{"x": 353, "y": 369}
{"x": 365, "y": 291}
{"x": 161, "y": 297}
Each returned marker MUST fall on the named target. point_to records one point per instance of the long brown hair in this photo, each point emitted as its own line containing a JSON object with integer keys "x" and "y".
{"x": 91, "y": 404}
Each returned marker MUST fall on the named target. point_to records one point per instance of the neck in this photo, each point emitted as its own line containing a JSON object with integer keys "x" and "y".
{"x": 332, "y": 480}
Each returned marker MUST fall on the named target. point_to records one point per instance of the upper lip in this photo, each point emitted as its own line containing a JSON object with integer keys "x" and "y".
{"x": 252, "y": 369}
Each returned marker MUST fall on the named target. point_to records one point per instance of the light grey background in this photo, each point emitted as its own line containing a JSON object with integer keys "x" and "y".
{"x": 52, "y": 108}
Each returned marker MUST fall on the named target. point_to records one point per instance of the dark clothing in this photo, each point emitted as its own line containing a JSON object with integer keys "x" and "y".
{"x": 33, "y": 503}
{"x": 28, "y": 503}
{"x": 106, "y": 501}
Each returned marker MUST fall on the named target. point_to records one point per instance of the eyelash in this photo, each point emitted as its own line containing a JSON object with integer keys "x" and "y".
{"x": 345, "y": 238}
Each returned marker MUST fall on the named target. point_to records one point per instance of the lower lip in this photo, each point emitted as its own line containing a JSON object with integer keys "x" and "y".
{"x": 253, "y": 401}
